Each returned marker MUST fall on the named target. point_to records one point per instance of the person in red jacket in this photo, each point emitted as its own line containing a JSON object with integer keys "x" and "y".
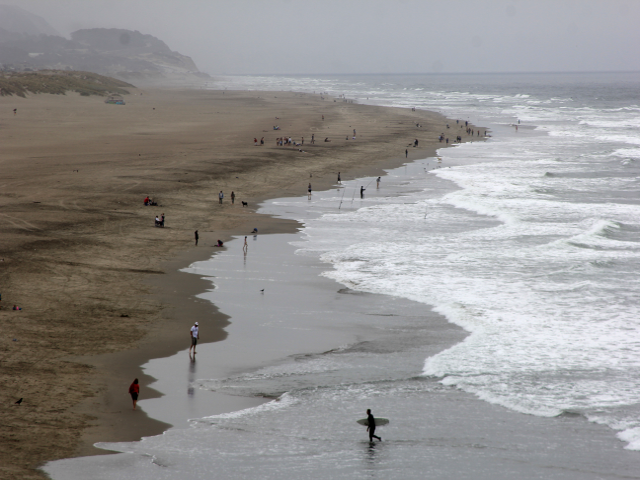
{"x": 134, "y": 390}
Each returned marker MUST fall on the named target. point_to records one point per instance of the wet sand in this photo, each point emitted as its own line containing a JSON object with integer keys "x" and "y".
{"x": 98, "y": 283}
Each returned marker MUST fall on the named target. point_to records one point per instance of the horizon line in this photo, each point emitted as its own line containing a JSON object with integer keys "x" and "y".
{"x": 433, "y": 73}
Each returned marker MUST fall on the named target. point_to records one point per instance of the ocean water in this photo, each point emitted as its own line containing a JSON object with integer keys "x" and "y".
{"x": 527, "y": 241}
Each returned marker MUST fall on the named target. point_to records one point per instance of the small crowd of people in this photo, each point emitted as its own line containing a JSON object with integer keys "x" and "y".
{"x": 148, "y": 202}
{"x": 160, "y": 221}
{"x": 280, "y": 141}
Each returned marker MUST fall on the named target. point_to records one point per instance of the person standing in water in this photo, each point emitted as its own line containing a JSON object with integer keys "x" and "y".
{"x": 378, "y": 182}
{"x": 339, "y": 178}
{"x": 362, "y": 189}
{"x": 195, "y": 334}
{"x": 309, "y": 190}
{"x": 371, "y": 426}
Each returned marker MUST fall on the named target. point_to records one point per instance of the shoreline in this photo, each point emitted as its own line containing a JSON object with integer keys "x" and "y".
{"x": 79, "y": 222}
{"x": 170, "y": 338}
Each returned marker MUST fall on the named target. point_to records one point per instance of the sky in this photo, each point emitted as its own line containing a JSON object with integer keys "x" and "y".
{"x": 372, "y": 36}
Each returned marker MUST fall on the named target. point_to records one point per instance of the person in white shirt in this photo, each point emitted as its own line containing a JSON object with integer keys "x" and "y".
{"x": 194, "y": 338}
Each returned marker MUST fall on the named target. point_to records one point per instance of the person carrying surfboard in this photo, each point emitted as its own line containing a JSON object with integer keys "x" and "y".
{"x": 371, "y": 428}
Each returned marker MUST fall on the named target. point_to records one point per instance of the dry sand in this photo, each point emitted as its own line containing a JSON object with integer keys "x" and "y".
{"x": 81, "y": 256}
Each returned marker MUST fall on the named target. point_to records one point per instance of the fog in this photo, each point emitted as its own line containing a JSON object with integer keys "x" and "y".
{"x": 372, "y": 36}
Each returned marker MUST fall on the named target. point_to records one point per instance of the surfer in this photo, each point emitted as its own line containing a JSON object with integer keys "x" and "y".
{"x": 371, "y": 428}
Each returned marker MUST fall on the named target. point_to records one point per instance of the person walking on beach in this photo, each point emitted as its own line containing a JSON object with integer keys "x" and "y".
{"x": 194, "y": 338}
{"x": 220, "y": 197}
{"x": 371, "y": 426}
{"x": 313, "y": 138}
{"x": 339, "y": 181}
{"x": 134, "y": 391}
{"x": 245, "y": 246}
{"x": 233, "y": 197}
{"x": 309, "y": 191}
{"x": 406, "y": 153}
{"x": 197, "y": 237}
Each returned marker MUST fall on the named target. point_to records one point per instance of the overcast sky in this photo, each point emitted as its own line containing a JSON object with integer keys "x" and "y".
{"x": 372, "y": 36}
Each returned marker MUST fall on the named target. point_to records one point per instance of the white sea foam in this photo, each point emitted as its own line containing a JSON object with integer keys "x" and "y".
{"x": 545, "y": 293}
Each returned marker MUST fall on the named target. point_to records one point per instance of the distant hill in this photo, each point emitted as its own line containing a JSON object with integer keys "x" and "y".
{"x": 131, "y": 55}
{"x": 18, "y": 21}
{"x": 29, "y": 43}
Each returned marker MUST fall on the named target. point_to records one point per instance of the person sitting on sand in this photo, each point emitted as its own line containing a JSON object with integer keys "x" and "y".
{"x": 327, "y": 139}
{"x": 255, "y": 230}
{"x": 147, "y": 200}
{"x": 16, "y": 308}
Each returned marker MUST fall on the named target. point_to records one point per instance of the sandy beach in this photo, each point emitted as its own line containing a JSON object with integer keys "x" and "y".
{"x": 98, "y": 284}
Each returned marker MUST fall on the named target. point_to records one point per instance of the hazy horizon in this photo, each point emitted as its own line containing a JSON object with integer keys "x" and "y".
{"x": 331, "y": 37}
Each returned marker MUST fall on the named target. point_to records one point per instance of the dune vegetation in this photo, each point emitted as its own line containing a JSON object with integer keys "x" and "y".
{"x": 59, "y": 82}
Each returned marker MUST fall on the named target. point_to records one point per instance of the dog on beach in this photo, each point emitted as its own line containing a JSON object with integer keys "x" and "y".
{"x": 244, "y": 204}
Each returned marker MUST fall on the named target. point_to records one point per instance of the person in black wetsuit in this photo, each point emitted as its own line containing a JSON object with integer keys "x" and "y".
{"x": 371, "y": 426}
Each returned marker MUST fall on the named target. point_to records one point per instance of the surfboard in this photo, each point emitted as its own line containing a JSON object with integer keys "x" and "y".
{"x": 379, "y": 421}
